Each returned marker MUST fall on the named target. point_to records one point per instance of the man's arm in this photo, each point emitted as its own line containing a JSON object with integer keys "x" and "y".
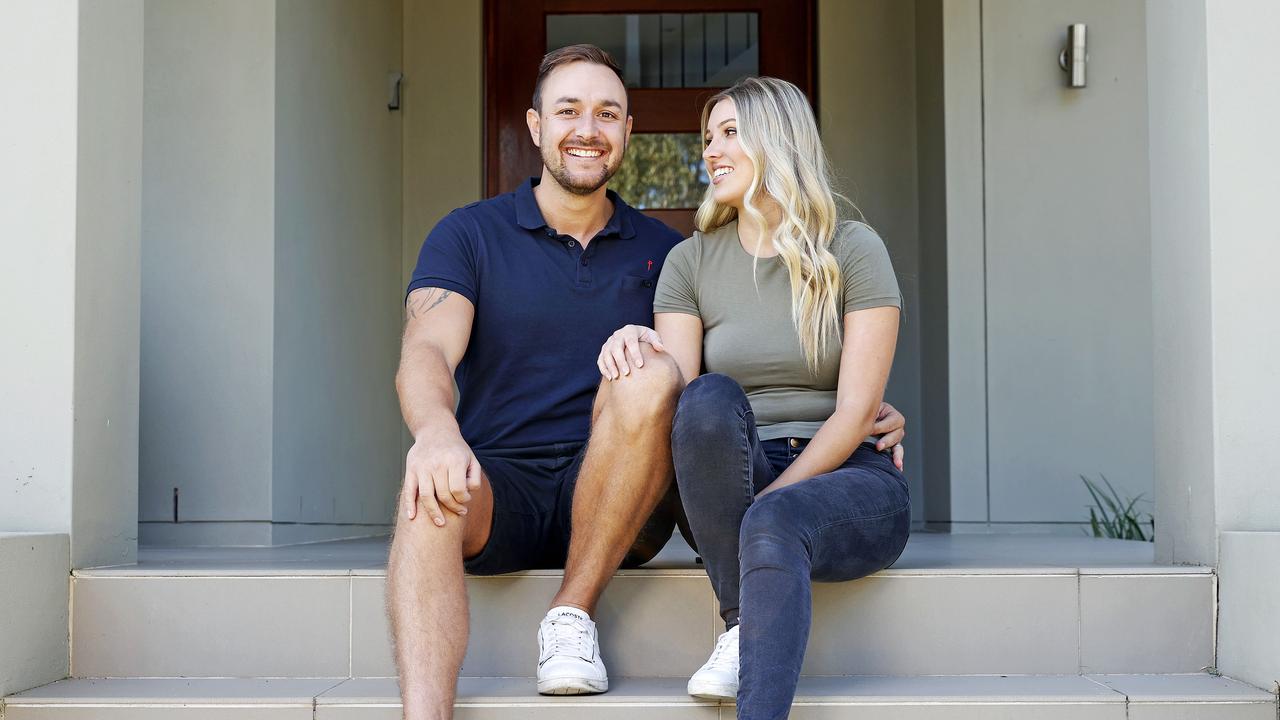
{"x": 436, "y": 331}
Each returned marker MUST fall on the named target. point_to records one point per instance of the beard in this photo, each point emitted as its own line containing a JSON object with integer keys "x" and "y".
{"x": 581, "y": 183}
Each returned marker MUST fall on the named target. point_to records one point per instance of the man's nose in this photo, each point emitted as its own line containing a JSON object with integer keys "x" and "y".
{"x": 587, "y": 126}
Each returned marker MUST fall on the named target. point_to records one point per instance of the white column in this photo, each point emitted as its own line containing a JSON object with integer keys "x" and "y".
{"x": 1214, "y": 106}
{"x": 1244, "y": 245}
{"x": 70, "y": 196}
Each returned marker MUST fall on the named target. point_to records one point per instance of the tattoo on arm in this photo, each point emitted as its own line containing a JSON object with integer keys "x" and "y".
{"x": 424, "y": 301}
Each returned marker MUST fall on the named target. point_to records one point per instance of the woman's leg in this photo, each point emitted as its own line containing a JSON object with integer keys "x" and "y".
{"x": 842, "y": 525}
{"x": 719, "y": 468}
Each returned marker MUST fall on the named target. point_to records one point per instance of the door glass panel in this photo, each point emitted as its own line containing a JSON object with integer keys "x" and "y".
{"x": 668, "y": 50}
{"x": 662, "y": 171}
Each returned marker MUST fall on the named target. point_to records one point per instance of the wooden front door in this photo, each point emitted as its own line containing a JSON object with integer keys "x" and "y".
{"x": 675, "y": 54}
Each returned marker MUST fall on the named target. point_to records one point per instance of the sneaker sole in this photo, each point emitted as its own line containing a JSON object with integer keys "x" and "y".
{"x": 572, "y": 686}
{"x": 713, "y": 691}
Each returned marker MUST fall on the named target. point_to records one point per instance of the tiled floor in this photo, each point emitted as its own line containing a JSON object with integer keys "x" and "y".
{"x": 925, "y": 553}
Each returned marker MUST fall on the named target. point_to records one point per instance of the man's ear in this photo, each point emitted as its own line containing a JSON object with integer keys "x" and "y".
{"x": 627, "y": 137}
{"x": 534, "y": 121}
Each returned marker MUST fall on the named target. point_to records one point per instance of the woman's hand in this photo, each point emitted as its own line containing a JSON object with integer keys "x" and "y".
{"x": 612, "y": 360}
{"x": 890, "y": 428}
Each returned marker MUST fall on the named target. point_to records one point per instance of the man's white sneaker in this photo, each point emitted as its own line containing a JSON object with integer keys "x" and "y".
{"x": 718, "y": 678}
{"x": 569, "y": 660}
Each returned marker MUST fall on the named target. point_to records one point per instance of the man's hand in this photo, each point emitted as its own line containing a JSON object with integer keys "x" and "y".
{"x": 890, "y": 427}
{"x": 439, "y": 471}
{"x": 612, "y": 360}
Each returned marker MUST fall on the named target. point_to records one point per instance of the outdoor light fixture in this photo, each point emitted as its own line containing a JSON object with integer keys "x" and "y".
{"x": 1074, "y": 56}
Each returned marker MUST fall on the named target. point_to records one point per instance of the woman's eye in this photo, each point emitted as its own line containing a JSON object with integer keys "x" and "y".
{"x": 731, "y": 131}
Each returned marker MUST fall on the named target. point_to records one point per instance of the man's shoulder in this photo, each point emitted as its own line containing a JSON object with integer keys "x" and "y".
{"x": 474, "y": 222}
{"x": 653, "y": 230}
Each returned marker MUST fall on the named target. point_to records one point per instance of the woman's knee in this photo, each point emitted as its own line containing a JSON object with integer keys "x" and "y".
{"x": 709, "y": 406}
{"x": 771, "y": 535}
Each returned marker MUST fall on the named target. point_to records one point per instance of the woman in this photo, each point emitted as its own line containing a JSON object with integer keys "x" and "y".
{"x": 793, "y": 317}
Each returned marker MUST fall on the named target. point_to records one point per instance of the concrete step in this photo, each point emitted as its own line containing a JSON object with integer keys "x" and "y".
{"x": 1062, "y": 697}
{"x": 948, "y": 607}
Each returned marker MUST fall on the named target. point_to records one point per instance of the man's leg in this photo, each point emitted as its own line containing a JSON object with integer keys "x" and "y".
{"x": 427, "y": 602}
{"x": 626, "y": 471}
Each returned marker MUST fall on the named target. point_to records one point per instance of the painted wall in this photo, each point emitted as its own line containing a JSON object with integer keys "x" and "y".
{"x": 1243, "y": 110}
{"x": 271, "y": 265}
{"x": 1068, "y": 260}
{"x": 336, "y": 438}
{"x": 36, "y": 596}
{"x": 867, "y": 112}
{"x": 69, "y": 191}
{"x": 443, "y": 116}
{"x": 208, "y": 265}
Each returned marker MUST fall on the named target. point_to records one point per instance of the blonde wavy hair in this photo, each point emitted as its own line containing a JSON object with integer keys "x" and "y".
{"x": 777, "y": 130}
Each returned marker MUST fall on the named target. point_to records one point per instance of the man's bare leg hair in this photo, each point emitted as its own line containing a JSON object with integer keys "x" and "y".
{"x": 427, "y": 603}
{"x": 626, "y": 471}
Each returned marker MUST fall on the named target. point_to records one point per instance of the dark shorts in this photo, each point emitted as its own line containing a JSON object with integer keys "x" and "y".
{"x": 532, "y": 511}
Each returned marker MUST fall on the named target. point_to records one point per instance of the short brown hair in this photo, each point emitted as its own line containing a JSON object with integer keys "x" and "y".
{"x": 571, "y": 54}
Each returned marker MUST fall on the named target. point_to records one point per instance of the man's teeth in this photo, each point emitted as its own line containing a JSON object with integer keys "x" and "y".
{"x": 722, "y": 171}
{"x": 585, "y": 153}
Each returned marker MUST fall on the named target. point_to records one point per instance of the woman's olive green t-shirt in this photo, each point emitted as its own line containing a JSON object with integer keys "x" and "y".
{"x": 748, "y": 333}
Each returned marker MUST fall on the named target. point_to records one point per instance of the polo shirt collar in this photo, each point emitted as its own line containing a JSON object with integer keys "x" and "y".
{"x": 529, "y": 216}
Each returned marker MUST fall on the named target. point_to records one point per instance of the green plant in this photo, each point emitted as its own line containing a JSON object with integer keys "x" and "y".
{"x": 1115, "y": 517}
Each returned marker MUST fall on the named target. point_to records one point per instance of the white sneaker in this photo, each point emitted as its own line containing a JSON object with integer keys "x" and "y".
{"x": 569, "y": 660}
{"x": 718, "y": 679}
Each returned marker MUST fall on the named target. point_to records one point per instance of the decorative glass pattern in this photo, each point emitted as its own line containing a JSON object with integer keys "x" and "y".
{"x": 668, "y": 50}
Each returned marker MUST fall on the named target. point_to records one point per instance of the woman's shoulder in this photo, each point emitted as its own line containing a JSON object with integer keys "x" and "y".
{"x": 855, "y": 239}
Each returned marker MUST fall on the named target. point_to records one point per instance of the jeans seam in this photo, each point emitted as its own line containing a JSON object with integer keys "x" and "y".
{"x": 748, "y": 484}
{"x": 891, "y": 513}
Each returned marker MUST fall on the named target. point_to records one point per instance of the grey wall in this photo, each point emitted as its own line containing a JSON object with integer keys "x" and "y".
{"x": 443, "y": 61}
{"x": 1068, "y": 259}
{"x": 70, "y": 197}
{"x": 931, "y": 147}
{"x": 207, "y": 262}
{"x": 271, "y": 271}
{"x": 1181, "y": 294}
{"x": 336, "y": 450}
{"x": 867, "y": 112}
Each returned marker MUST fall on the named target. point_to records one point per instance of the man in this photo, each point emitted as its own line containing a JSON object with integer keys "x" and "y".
{"x": 513, "y": 297}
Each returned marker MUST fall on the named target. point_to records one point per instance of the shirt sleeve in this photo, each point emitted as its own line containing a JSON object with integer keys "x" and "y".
{"x": 677, "y": 288}
{"x": 447, "y": 259}
{"x": 866, "y": 271}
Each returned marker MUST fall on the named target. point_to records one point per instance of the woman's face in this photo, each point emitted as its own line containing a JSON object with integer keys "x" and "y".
{"x": 728, "y": 166}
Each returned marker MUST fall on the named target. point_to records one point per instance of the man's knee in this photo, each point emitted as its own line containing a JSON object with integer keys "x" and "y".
{"x": 647, "y": 391}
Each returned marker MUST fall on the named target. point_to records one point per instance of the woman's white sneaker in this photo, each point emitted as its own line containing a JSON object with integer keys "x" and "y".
{"x": 718, "y": 678}
{"x": 569, "y": 660}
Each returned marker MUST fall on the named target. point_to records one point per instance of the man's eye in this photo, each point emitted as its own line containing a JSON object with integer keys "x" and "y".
{"x": 566, "y": 111}
{"x": 608, "y": 115}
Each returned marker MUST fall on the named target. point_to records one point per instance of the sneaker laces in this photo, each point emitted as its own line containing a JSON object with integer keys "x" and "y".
{"x": 567, "y": 635}
{"x": 725, "y": 656}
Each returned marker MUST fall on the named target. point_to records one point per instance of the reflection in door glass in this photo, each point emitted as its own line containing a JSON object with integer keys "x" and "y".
{"x": 668, "y": 50}
{"x": 662, "y": 171}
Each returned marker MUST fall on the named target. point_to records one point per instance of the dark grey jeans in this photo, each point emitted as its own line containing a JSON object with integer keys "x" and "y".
{"x": 761, "y": 556}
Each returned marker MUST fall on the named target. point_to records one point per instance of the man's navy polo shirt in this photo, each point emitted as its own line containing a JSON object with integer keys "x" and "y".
{"x": 544, "y": 306}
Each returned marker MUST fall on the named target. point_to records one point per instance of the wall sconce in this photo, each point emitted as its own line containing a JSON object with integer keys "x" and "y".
{"x": 1075, "y": 56}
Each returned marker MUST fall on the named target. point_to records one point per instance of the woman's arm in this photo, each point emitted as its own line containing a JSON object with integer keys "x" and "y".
{"x": 870, "y": 337}
{"x": 682, "y": 336}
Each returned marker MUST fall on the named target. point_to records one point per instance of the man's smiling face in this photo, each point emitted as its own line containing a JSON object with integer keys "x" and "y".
{"x": 582, "y": 127}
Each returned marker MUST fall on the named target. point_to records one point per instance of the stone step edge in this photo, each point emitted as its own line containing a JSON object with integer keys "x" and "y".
{"x": 1200, "y": 689}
